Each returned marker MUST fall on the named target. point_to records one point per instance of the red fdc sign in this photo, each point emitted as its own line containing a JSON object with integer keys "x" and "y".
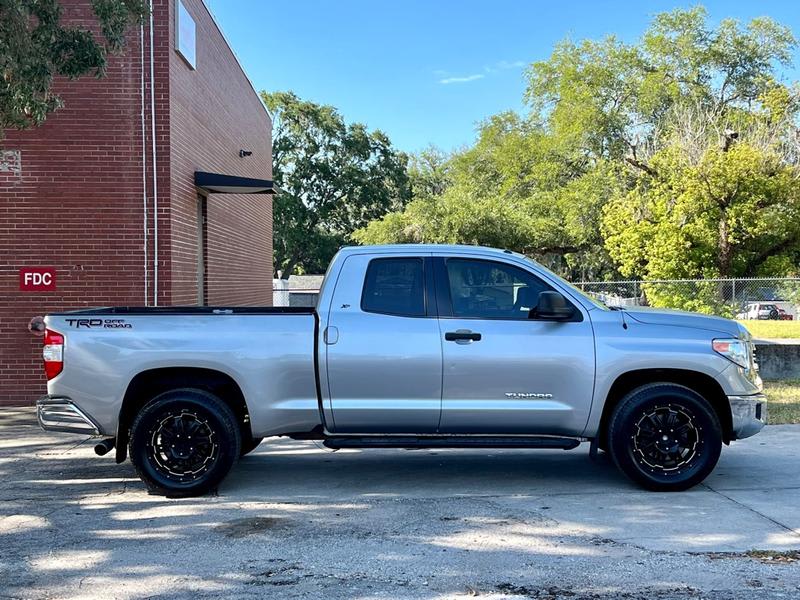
{"x": 37, "y": 279}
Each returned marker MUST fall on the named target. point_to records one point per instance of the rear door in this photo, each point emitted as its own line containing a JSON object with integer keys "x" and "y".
{"x": 384, "y": 356}
{"x": 503, "y": 372}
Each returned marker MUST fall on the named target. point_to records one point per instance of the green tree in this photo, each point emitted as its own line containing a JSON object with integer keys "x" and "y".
{"x": 727, "y": 215}
{"x": 518, "y": 188}
{"x": 712, "y": 169}
{"x": 608, "y": 99}
{"x": 35, "y": 47}
{"x": 671, "y": 157}
{"x": 730, "y": 214}
{"x": 429, "y": 172}
{"x": 334, "y": 178}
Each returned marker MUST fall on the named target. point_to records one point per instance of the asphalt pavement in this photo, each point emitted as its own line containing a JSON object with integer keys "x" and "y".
{"x": 295, "y": 520}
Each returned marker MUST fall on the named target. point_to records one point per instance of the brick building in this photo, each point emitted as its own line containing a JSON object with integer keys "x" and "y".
{"x": 151, "y": 186}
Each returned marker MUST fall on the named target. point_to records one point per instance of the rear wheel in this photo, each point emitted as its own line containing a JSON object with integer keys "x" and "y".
{"x": 184, "y": 442}
{"x": 665, "y": 437}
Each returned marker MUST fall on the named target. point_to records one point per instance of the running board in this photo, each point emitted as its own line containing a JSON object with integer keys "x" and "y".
{"x": 450, "y": 441}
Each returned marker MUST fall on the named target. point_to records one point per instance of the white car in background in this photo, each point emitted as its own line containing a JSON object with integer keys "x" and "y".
{"x": 761, "y": 311}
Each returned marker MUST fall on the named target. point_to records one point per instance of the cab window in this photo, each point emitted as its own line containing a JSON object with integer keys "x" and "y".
{"x": 491, "y": 290}
{"x": 394, "y": 286}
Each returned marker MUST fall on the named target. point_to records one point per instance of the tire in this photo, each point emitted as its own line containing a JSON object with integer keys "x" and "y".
{"x": 190, "y": 470}
{"x": 637, "y": 429}
{"x": 249, "y": 444}
{"x": 774, "y": 315}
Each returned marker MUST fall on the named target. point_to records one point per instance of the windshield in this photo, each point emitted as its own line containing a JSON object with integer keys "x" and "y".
{"x": 577, "y": 290}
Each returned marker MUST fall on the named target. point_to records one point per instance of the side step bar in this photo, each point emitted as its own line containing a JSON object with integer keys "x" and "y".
{"x": 450, "y": 441}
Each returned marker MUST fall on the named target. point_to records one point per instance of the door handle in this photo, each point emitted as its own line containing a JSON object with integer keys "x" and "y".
{"x": 462, "y": 335}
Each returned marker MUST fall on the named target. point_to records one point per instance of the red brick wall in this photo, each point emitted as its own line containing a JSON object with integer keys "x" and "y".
{"x": 77, "y": 203}
{"x": 239, "y": 250}
{"x": 77, "y": 206}
{"x": 208, "y": 128}
{"x": 160, "y": 202}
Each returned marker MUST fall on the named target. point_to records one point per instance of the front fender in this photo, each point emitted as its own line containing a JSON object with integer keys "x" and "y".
{"x": 641, "y": 347}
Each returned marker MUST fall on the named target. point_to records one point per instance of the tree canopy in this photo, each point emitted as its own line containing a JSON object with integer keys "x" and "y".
{"x": 674, "y": 156}
{"x": 35, "y": 47}
{"x": 334, "y": 178}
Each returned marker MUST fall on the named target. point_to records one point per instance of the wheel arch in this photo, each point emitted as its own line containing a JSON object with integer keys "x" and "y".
{"x": 705, "y": 385}
{"x": 148, "y": 384}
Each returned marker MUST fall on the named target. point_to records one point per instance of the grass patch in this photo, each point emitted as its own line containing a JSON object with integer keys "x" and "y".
{"x": 764, "y": 556}
{"x": 767, "y": 556}
{"x": 783, "y": 401}
{"x": 773, "y": 329}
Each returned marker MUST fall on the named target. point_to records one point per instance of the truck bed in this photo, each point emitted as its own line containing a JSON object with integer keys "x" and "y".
{"x": 268, "y": 352}
{"x": 190, "y": 310}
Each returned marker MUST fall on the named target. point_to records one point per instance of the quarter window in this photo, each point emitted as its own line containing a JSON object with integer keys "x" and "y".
{"x": 394, "y": 286}
{"x": 490, "y": 290}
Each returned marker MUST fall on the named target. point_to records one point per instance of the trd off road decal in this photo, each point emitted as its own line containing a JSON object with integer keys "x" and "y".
{"x": 99, "y": 323}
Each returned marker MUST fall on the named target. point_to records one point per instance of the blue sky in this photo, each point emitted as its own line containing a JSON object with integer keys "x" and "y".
{"x": 426, "y": 72}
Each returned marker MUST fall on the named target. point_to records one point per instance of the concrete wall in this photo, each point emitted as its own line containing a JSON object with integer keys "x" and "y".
{"x": 778, "y": 361}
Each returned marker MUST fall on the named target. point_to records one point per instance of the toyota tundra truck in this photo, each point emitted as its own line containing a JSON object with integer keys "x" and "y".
{"x": 409, "y": 346}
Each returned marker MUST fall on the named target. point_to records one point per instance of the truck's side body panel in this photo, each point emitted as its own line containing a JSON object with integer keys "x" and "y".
{"x": 270, "y": 357}
{"x": 384, "y": 371}
{"x": 521, "y": 377}
{"x": 642, "y": 346}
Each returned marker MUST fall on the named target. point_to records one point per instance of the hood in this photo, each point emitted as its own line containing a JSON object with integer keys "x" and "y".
{"x": 680, "y": 318}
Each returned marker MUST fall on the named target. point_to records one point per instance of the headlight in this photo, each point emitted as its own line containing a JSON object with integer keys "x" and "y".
{"x": 736, "y": 351}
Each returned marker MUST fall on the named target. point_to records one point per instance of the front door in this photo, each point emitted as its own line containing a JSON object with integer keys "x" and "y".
{"x": 505, "y": 373}
{"x": 384, "y": 358}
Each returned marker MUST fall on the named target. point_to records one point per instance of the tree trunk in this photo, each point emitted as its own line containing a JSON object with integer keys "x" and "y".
{"x": 288, "y": 267}
{"x": 725, "y": 259}
{"x": 725, "y": 250}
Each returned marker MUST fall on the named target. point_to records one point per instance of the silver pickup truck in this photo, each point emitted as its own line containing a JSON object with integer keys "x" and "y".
{"x": 413, "y": 346}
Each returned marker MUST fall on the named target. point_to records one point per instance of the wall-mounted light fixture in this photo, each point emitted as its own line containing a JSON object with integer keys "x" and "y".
{"x": 243, "y": 153}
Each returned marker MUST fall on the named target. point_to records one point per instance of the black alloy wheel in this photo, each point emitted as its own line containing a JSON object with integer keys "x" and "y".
{"x": 665, "y": 437}
{"x": 184, "y": 442}
{"x": 183, "y": 445}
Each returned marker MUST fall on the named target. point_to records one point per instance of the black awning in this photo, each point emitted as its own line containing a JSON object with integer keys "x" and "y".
{"x": 216, "y": 183}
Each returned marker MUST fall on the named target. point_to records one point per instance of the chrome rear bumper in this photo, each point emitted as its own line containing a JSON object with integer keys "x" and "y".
{"x": 749, "y": 414}
{"x": 60, "y": 414}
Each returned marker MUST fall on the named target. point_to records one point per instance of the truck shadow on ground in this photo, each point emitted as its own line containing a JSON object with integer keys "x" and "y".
{"x": 306, "y": 469}
{"x": 295, "y": 519}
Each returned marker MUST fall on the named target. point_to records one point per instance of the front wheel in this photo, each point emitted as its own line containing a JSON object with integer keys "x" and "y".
{"x": 665, "y": 437}
{"x": 184, "y": 442}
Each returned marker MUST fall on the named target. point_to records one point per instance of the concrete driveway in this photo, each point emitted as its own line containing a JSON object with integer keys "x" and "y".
{"x": 295, "y": 521}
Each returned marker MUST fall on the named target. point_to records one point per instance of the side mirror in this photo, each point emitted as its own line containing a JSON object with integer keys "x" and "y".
{"x": 552, "y": 306}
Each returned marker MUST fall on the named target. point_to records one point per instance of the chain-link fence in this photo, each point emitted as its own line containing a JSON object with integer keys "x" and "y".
{"x": 767, "y": 298}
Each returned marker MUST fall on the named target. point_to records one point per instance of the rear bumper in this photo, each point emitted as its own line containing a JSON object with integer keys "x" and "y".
{"x": 60, "y": 414}
{"x": 749, "y": 414}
